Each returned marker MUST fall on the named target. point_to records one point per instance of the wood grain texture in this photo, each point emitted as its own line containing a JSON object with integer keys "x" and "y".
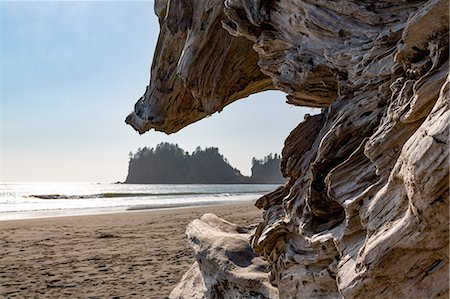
{"x": 365, "y": 211}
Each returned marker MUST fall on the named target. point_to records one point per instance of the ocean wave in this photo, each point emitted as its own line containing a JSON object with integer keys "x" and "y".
{"x": 126, "y": 194}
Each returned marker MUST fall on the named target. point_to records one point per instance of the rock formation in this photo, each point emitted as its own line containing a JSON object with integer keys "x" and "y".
{"x": 169, "y": 164}
{"x": 365, "y": 213}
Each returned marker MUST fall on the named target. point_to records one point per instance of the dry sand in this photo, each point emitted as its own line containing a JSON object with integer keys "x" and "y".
{"x": 122, "y": 255}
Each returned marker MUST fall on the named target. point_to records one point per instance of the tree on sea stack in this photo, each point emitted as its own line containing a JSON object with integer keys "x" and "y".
{"x": 169, "y": 164}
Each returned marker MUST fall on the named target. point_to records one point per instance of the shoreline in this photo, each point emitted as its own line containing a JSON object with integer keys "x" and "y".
{"x": 118, "y": 210}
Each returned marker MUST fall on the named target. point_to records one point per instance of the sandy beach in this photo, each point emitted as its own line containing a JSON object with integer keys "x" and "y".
{"x": 134, "y": 254}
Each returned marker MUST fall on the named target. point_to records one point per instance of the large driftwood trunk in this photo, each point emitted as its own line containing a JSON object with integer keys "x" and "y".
{"x": 365, "y": 211}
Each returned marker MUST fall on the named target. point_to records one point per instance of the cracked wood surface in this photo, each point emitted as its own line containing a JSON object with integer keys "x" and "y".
{"x": 365, "y": 211}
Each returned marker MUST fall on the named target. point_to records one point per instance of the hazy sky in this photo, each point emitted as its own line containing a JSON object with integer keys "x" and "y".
{"x": 72, "y": 71}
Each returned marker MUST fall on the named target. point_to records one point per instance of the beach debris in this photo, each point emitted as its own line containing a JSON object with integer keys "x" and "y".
{"x": 226, "y": 266}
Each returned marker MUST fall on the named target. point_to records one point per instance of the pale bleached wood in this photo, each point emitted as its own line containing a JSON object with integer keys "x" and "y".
{"x": 365, "y": 212}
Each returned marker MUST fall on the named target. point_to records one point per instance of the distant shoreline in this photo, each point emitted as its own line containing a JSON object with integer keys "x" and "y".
{"x": 30, "y": 201}
{"x": 240, "y": 183}
{"x": 143, "y": 209}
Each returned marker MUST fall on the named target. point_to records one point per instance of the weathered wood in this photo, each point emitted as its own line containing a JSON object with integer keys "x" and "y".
{"x": 365, "y": 212}
{"x": 198, "y": 68}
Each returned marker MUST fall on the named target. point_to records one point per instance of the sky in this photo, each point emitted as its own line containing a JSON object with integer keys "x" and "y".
{"x": 71, "y": 72}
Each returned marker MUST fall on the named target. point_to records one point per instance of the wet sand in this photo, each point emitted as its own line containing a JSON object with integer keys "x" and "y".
{"x": 122, "y": 255}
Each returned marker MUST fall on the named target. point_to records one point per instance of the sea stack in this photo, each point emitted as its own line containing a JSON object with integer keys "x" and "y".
{"x": 365, "y": 213}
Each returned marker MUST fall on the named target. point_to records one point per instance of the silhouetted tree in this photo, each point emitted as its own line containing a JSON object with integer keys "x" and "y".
{"x": 267, "y": 170}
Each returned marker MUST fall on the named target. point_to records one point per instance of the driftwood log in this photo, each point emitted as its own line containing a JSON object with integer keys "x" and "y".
{"x": 365, "y": 213}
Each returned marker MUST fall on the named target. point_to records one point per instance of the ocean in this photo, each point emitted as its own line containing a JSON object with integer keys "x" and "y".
{"x": 38, "y": 200}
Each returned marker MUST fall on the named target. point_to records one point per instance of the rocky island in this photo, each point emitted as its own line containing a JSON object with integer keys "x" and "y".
{"x": 169, "y": 164}
{"x": 365, "y": 211}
